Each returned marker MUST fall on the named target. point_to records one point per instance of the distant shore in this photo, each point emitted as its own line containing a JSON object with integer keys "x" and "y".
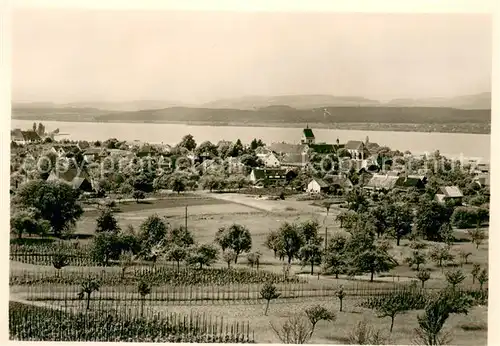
{"x": 471, "y": 128}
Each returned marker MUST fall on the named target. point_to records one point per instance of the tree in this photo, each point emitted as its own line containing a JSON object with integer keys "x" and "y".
{"x": 364, "y": 334}
{"x": 53, "y": 201}
{"x": 454, "y": 277}
{"x": 106, "y": 246}
{"x": 446, "y": 234}
{"x": 127, "y": 260}
{"x": 400, "y": 218}
{"x": 152, "y": 232}
{"x": 437, "y": 311}
{"x": 138, "y": 195}
{"x": 203, "y": 255}
{"x": 391, "y": 305}
{"x": 340, "y": 294}
{"x": 464, "y": 256}
{"x": 334, "y": 263}
{"x": 187, "y": 142}
{"x": 256, "y": 143}
{"x": 373, "y": 261}
{"x": 290, "y": 240}
{"x": 143, "y": 288}
{"x": 310, "y": 232}
{"x": 229, "y": 256}
{"x": 431, "y": 215}
{"x": 177, "y": 183}
{"x": 357, "y": 200}
{"x": 106, "y": 222}
{"x": 482, "y": 278}
{"x": 180, "y": 236}
{"x": 89, "y": 286}
{"x": 269, "y": 292}
{"x": 61, "y": 258}
{"x": 176, "y": 253}
{"x": 348, "y": 219}
{"x": 380, "y": 214}
{"x": 319, "y": 313}
{"x": 296, "y": 330}
{"x": 477, "y": 236}
{"x": 26, "y": 222}
{"x": 417, "y": 258}
{"x": 440, "y": 254}
{"x": 127, "y": 189}
{"x": 476, "y": 268}
{"x": 310, "y": 254}
{"x": 272, "y": 242}
{"x": 206, "y": 149}
{"x": 235, "y": 237}
{"x": 253, "y": 259}
{"x": 423, "y": 275}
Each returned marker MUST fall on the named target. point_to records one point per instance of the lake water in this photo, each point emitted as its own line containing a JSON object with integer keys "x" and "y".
{"x": 449, "y": 144}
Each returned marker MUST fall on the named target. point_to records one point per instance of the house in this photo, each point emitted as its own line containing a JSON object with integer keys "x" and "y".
{"x": 317, "y": 185}
{"x": 31, "y": 136}
{"x": 148, "y": 150}
{"x": 338, "y": 182}
{"x": 447, "y": 193}
{"x": 381, "y": 182}
{"x": 266, "y": 175}
{"x": 235, "y": 165}
{"x": 481, "y": 168}
{"x": 412, "y": 181}
{"x": 307, "y": 136}
{"x": 83, "y": 145}
{"x": 262, "y": 152}
{"x": 271, "y": 161}
{"x": 74, "y": 177}
{"x": 23, "y": 137}
{"x": 63, "y": 150}
{"x": 357, "y": 149}
{"x": 16, "y": 136}
{"x": 287, "y": 148}
{"x": 482, "y": 180}
{"x": 92, "y": 154}
{"x": 294, "y": 160}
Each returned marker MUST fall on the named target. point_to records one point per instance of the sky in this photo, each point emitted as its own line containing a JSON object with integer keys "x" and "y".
{"x": 194, "y": 57}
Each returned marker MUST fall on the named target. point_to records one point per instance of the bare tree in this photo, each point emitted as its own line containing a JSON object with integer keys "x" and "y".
{"x": 296, "y": 330}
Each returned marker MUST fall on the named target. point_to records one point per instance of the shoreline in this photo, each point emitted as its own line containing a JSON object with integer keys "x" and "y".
{"x": 462, "y": 128}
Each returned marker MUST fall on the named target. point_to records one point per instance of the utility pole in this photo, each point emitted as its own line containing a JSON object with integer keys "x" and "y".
{"x": 186, "y": 218}
{"x": 326, "y": 237}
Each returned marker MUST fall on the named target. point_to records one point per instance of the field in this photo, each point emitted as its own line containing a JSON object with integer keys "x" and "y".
{"x": 236, "y": 297}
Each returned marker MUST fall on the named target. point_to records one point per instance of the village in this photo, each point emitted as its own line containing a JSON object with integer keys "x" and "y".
{"x": 316, "y": 168}
{"x": 309, "y": 224}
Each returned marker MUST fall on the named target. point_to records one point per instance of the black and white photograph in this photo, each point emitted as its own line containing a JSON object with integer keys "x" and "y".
{"x": 271, "y": 177}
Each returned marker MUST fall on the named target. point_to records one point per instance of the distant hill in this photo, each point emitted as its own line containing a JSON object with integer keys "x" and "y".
{"x": 110, "y": 106}
{"x": 477, "y": 101}
{"x": 267, "y": 115}
{"x": 288, "y": 109}
{"x": 295, "y": 101}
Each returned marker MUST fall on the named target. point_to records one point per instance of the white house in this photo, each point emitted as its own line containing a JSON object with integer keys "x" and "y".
{"x": 317, "y": 185}
{"x": 271, "y": 161}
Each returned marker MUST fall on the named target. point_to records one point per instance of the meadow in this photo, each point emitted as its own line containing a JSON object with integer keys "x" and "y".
{"x": 231, "y": 295}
